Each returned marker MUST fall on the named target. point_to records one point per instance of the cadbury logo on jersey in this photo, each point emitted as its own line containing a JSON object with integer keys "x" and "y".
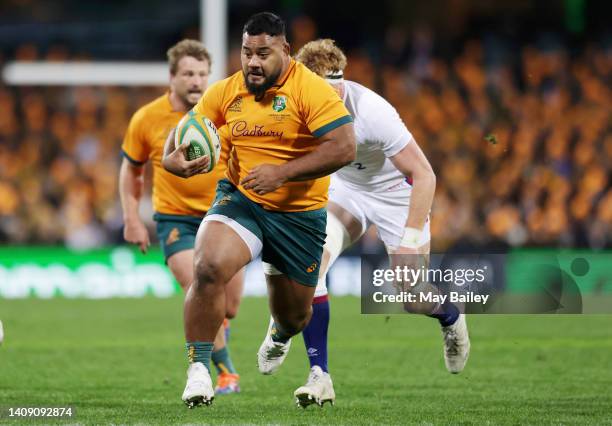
{"x": 241, "y": 128}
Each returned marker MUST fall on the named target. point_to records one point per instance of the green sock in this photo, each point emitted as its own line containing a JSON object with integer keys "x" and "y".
{"x": 223, "y": 362}
{"x": 199, "y": 352}
{"x": 278, "y": 335}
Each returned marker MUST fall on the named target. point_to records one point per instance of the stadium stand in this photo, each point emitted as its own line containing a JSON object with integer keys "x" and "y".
{"x": 520, "y": 140}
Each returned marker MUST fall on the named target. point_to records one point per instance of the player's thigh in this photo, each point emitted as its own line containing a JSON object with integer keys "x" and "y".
{"x": 355, "y": 228}
{"x": 229, "y": 236}
{"x": 338, "y": 239}
{"x": 343, "y": 229}
{"x": 345, "y": 204}
{"x": 346, "y": 222}
{"x": 219, "y": 251}
{"x": 293, "y": 244}
{"x": 289, "y": 300}
{"x": 233, "y": 294}
{"x": 181, "y": 266}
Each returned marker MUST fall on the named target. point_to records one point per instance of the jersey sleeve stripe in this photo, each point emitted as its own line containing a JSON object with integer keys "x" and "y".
{"x": 131, "y": 160}
{"x": 332, "y": 125}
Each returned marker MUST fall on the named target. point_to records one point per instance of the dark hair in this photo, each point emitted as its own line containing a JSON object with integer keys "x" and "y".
{"x": 265, "y": 23}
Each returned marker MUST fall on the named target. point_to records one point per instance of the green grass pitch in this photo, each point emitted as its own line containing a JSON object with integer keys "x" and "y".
{"x": 123, "y": 362}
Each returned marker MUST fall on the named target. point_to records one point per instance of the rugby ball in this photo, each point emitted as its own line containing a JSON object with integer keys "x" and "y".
{"x": 201, "y": 135}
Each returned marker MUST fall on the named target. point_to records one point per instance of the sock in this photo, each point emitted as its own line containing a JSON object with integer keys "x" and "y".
{"x": 315, "y": 333}
{"x": 278, "y": 335}
{"x": 199, "y": 352}
{"x": 448, "y": 314}
{"x": 222, "y": 361}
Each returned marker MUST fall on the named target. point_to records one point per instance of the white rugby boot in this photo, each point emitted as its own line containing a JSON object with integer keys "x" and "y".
{"x": 271, "y": 354}
{"x": 318, "y": 389}
{"x": 456, "y": 345}
{"x": 199, "y": 388}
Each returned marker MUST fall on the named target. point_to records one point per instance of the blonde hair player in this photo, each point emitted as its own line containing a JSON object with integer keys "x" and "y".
{"x": 373, "y": 189}
{"x": 179, "y": 204}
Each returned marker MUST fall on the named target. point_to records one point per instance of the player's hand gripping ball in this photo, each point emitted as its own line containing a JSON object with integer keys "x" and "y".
{"x": 201, "y": 135}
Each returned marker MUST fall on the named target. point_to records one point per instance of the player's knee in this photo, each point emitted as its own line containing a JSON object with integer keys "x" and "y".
{"x": 296, "y": 322}
{"x": 231, "y": 310}
{"x": 208, "y": 272}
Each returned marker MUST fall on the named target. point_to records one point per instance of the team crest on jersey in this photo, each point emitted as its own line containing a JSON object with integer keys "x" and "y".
{"x": 236, "y": 106}
{"x": 279, "y": 103}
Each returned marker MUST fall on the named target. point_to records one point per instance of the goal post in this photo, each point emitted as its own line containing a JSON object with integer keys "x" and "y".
{"x": 213, "y": 25}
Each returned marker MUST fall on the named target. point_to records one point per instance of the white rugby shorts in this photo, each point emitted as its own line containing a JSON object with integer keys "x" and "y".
{"x": 388, "y": 209}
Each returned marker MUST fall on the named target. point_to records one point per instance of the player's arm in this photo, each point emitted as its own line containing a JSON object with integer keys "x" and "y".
{"x": 412, "y": 162}
{"x": 337, "y": 149}
{"x": 131, "y": 188}
{"x": 174, "y": 160}
{"x": 135, "y": 149}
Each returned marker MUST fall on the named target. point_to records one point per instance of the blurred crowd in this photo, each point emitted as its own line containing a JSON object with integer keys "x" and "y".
{"x": 523, "y": 152}
{"x": 522, "y": 145}
{"x": 59, "y": 163}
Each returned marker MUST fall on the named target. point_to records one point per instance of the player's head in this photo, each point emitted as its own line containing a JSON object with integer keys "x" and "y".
{"x": 265, "y": 52}
{"x": 189, "y": 69}
{"x": 325, "y": 59}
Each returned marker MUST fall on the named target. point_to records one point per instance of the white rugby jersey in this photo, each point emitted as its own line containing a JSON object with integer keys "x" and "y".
{"x": 380, "y": 133}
